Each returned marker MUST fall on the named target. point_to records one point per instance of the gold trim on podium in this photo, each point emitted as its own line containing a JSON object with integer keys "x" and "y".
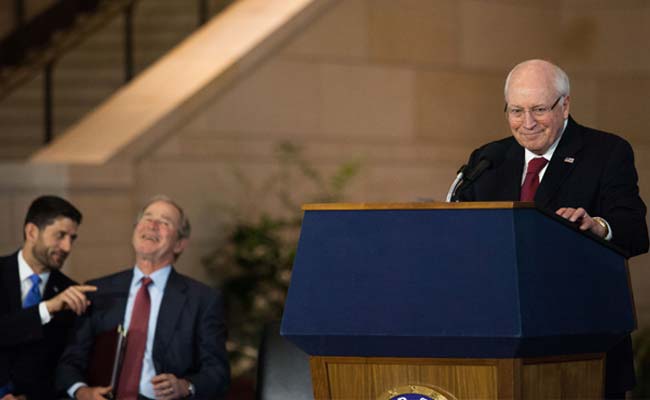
{"x": 418, "y": 206}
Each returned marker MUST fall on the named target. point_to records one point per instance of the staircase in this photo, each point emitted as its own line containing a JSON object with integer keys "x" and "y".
{"x": 92, "y": 70}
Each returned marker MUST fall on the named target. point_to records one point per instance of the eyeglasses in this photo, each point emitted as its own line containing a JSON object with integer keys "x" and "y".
{"x": 517, "y": 113}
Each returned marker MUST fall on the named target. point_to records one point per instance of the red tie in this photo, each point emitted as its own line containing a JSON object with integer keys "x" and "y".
{"x": 531, "y": 182}
{"x": 136, "y": 341}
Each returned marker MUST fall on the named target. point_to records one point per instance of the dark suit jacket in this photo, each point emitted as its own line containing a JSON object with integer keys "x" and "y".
{"x": 590, "y": 169}
{"x": 189, "y": 340}
{"x": 28, "y": 350}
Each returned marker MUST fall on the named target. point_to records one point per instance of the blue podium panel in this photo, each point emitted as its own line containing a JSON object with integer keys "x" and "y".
{"x": 569, "y": 283}
{"x": 487, "y": 282}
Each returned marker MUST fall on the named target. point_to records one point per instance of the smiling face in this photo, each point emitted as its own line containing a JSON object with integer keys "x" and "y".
{"x": 533, "y": 86}
{"x": 48, "y": 248}
{"x": 155, "y": 237}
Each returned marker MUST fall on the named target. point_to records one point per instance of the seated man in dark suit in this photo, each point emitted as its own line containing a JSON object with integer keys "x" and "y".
{"x": 176, "y": 333}
{"x": 583, "y": 175}
{"x": 37, "y": 301}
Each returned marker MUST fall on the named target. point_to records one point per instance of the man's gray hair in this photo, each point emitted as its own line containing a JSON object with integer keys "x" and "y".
{"x": 560, "y": 78}
{"x": 184, "y": 229}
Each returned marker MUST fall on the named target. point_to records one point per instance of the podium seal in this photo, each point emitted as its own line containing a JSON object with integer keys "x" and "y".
{"x": 416, "y": 392}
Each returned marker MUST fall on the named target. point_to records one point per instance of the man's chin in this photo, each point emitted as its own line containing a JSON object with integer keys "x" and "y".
{"x": 56, "y": 264}
{"x": 537, "y": 148}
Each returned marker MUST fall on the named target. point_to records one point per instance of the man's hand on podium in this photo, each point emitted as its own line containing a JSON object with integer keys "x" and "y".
{"x": 587, "y": 222}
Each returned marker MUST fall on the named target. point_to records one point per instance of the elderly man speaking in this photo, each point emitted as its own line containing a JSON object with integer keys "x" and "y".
{"x": 582, "y": 174}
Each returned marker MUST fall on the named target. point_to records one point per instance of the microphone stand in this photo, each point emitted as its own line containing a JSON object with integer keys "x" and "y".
{"x": 451, "y": 194}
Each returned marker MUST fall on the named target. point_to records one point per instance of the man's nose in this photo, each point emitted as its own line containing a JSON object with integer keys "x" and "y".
{"x": 153, "y": 224}
{"x": 66, "y": 244}
{"x": 529, "y": 120}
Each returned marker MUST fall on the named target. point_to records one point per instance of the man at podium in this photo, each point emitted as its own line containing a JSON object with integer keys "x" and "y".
{"x": 582, "y": 174}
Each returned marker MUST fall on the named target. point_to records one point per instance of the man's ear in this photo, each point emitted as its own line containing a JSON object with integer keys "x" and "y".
{"x": 31, "y": 232}
{"x": 180, "y": 246}
{"x": 566, "y": 102}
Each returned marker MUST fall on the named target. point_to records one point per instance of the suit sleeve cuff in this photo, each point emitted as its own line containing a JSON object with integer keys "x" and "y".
{"x": 73, "y": 389}
{"x": 44, "y": 314}
{"x": 609, "y": 230}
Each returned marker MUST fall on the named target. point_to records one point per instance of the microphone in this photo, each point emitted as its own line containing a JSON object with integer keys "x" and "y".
{"x": 454, "y": 186}
{"x": 491, "y": 157}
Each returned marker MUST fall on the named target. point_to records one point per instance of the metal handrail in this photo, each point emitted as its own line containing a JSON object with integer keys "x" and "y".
{"x": 62, "y": 36}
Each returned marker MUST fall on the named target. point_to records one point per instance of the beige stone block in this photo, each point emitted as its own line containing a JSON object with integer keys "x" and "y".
{"x": 172, "y": 145}
{"x": 34, "y": 7}
{"x": 414, "y": 31}
{"x": 368, "y": 101}
{"x": 197, "y": 145}
{"x": 606, "y": 39}
{"x": 407, "y": 183}
{"x": 8, "y": 248}
{"x": 108, "y": 176}
{"x": 21, "y": 120}
{"x": 20, "y": 201}
{"x": 8, "y": 228}
{"x": 236, "y": 148}
{"x": 498, "y": 35}
{"x": 623, "y": 107}
{"x": 90, "y": 261}
{"x": 108, "y": 216}
{"x": 29, "y": 177}
{"x": 341, "y": 32}
{"x": 279, "y": 97}
{"x": 458, "y": 108}
{"x": 581, "y": 5}
{"x": 584, "y": 100}
{"x": 7, "y": 19}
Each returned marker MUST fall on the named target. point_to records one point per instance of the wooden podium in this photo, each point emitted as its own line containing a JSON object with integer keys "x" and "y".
{"x": 454, "y": 301}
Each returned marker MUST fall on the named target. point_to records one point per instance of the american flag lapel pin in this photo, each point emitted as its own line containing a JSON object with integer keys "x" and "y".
{"x": 569, "y": 160}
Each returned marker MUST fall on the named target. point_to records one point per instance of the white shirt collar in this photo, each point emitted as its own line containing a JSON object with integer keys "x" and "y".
{"x": 159, "y": 277}
{"x": 25, "y": 271}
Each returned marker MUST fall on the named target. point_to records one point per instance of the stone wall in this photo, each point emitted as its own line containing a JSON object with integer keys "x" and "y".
{"x": 409, "y": 87}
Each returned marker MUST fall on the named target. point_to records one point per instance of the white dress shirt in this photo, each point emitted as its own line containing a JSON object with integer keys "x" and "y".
{"x": 24, "y": 272}
{"x": 156, "y": 290}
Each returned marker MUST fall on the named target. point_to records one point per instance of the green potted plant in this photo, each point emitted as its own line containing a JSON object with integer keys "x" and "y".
{"x": 252, "y": 264}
